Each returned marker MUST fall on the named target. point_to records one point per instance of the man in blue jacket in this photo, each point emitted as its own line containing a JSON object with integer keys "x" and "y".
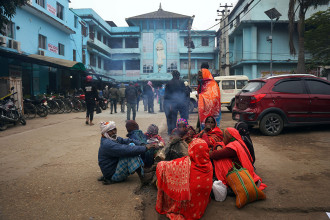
{"x": 118, "y": 157}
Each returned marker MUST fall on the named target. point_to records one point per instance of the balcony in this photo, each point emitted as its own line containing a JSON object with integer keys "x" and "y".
{"x": 98, "y": 45}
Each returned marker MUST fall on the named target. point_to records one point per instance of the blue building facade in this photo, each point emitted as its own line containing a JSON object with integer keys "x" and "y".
{"x": 249, "y": 28}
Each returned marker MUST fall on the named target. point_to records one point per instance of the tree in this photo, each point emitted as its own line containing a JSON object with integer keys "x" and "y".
{"x": 302, "y": 6}
{"x": 8, "y": 10}
{"x": 317, "y": 40}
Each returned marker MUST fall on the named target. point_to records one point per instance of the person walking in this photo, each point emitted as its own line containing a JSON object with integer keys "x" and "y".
{"x": 175, "y": 93}
{"x": 145, "y": 97}
{"x": 91, "y": 97}
{"x": 149, "y": 91}
{"x": 131, "y": 98}
{"x": 114, "y": 96}
{"x": 122, "y": 97}
{"x": 139, "y": 92}
{"x": 161, "y": 98}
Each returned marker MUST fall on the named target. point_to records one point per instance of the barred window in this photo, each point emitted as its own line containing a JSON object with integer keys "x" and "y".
{"x": 171, "y": 65}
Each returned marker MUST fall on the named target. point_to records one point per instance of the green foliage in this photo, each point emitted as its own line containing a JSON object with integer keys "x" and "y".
{"x": 8, "y": 10}
{"x": 317, "y": 37}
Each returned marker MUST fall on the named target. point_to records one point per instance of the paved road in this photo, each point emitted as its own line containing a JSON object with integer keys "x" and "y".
{"x": 49, "y": 169}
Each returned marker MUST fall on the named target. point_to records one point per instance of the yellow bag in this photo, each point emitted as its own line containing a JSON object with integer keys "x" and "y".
{"x": 243, "y": 186}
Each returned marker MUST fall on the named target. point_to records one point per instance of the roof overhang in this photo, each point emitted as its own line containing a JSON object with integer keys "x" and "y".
{"x": 72, "y": 65}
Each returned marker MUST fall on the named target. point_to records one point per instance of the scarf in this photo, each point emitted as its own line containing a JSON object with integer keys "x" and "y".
{"x": 106, "y": 127}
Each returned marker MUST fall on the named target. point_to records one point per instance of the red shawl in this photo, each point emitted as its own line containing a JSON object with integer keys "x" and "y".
{"x": 209, "y": 97}
{"x": 185, "y": 184}
{"x": 224, "y": 165}
{"x": 213, "y": 137}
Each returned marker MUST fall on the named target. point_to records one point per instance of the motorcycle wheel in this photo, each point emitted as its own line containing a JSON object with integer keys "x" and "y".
{"x": 22, "y": 121}
{"x": 42, "y": 111}
{"x": 3, "y": 126}
{"x": 103, "y": 106}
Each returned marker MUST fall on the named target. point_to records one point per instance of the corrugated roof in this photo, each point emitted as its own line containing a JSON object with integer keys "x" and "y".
{"x": 160, "y": 14}
{"x": 73, "y": 65}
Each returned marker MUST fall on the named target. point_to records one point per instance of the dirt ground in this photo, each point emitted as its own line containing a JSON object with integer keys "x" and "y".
{"x": 49, "y": 170}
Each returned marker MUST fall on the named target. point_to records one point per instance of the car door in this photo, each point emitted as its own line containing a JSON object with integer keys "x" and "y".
{"x": 319, "y": 99}
{"x": 290, "y": 95}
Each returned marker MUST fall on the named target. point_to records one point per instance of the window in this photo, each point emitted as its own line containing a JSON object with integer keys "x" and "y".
{"x": 42, "y": 41}
{"x": 83, "y": 56}
{"x": 184, "y": 64}
{"x": 171, "y": 65}
{"x": 228, "y": 84}
{"x": 105, "y": 40}
{"x": 174, "y": 24}
{"x": 8, "y": 29}
{"x": 133, "y": 65}
{"x": 241, "y": 83}
{"x": 99, "y": 62}
{"x": 167, "y": 24}
{"x": 205, "y": 41}
{"x": 148, "y": 66}
{"x": 61, "y": 49}
{"x": 83, "y": 29}
{"x": 289, "y": 86}
{"x": 159, "y": 24}
{"x": 91, "y": 33}
{"x": 131, "y": 42}
{"x": 147, "y": 42}
{"x": 116, "y": 43}
{"x": 116, "y": 65}
{"x": 318, "y": 87}
{"x": 92, "y": 60}
{"x": 172, "y": 42}
{"x": 74, "y": 55}
{"x": 59, "y": 10}
{"x": 99, "y": 36}
{"x": 75, "y": 21}
{"x": 41, "y": 3}
{"x": 186, "y": 39}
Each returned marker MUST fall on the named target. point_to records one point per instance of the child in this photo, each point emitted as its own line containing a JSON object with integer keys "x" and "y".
{"x": 153, "y": 137}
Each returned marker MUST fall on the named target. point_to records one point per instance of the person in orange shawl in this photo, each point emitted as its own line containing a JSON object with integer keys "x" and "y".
{"x": 209, "y": 103}
{"x": 234, "y": 150}
{"x": 184, "y": 185}
{"x": 211, "y": 133}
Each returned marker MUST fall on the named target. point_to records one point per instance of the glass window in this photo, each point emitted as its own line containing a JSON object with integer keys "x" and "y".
{"x": 186, "y": 41}
{"x": 241, "y": 83}
{"x": 92, "y": 60}
{"x": 318, "y": 87}
{"x": 171, "y": 65}
{"x": 83, "y": 29}
{"x": 74, "y": 55}
{"x": 132, "y": 42}
{"x": 133, "y": 65}
{"x": 41, "y": 3}
{"x": 289, "y": 86}
{"x": 228, "y": 84}
{"x": 8, "y": 29}
{"x": 105, "y": 40}
{"x": 116, "y": 43}
{"x": 59, "y": 10}
{"x": 147, "y": 42}
{"x": 42, "y": 41}
{"x": 172, "y": 42}
{"x": 99, "y": 36}
{"x": 61, "y": 49}
{"x": 148, "y": 66}
{"x": 253, "y": 86}
{"x": 184, "y": 64}
{"x": 205, "y": 41}
{"x": 116, "y": 65}
{"x": 99, "y": 62}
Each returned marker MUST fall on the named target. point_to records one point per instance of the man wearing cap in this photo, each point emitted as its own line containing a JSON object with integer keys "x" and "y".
{"x": 118, "y": 157}
{"x": 174, "y": 101}
{"x": 91, "y": 96}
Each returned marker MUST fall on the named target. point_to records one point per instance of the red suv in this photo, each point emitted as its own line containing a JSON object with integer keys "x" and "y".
{"x": 283, "y": 100}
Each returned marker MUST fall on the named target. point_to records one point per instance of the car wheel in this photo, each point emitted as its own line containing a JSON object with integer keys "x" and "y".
{"x": 232, "y": 104}
{"x": 271, "y": 124}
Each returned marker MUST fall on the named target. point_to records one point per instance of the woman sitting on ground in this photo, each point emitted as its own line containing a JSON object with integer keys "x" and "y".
{"x": 183, "y": 130}
{"x": 184, "y": 185}
{"x": 211, "y": 133}
{"x": 234, "y": 150}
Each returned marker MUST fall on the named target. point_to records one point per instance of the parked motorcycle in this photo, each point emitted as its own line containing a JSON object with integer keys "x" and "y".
{"x": 9, "y": 113}
{"x": 103, "y": 103}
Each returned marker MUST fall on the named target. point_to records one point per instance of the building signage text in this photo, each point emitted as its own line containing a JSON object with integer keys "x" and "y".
{"x": 52, "y": 48}
{"x": 51, "y": 9}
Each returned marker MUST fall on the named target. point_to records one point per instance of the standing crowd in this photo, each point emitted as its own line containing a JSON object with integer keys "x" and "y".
{"x": 185, "y": 169}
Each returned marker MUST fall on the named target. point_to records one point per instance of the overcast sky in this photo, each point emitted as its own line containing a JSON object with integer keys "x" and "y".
{"x": 117, "y": 10}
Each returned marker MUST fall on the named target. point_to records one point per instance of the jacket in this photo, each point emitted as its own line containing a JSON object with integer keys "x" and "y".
{"x": 91, "y": 94}
{"x": 110, "y": 151}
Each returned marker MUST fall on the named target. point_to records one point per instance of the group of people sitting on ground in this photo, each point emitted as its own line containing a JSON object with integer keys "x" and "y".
{"x": 184, "y": 169}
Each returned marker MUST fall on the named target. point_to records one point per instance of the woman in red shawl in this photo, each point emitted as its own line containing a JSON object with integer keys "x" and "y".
{"x": 209, "y": 103}
{"x": 184, "y": 185}
{"x": 234, "y": 151}
{"x": 211, "y": 133}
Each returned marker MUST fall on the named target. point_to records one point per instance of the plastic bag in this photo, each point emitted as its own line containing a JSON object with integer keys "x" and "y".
{"x": 219, "y": 191}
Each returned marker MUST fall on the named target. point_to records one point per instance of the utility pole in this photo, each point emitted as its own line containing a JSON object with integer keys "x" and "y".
{"x": 224, "y": 41}
{"x": 189, "y": 48}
